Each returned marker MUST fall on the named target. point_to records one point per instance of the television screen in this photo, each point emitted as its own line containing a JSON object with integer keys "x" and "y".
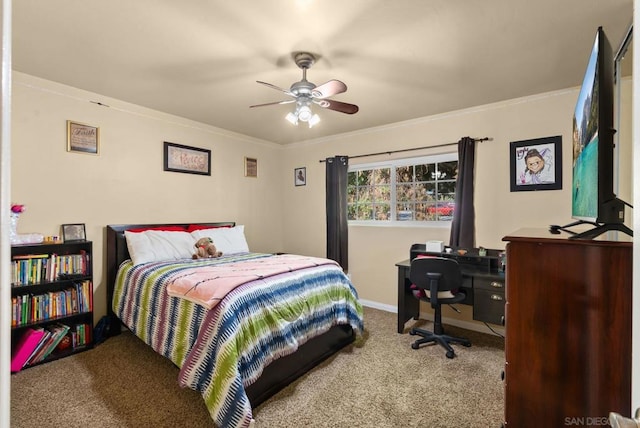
{"x": 585, "y": 142}
{"x": 593, "y": 198}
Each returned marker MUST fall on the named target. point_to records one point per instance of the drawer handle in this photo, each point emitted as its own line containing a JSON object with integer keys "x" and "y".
{"x": 495, "y": 284}
{"x": 496, "y": 297}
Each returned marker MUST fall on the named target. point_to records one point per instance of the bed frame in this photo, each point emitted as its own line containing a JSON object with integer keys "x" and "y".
{"x": 276, "y": 375}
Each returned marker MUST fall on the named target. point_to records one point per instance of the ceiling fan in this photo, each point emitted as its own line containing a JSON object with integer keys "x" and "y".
{"x": 305, "y": 93}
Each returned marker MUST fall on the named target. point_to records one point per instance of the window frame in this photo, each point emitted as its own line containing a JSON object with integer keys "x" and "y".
{"x": 394, "y": 164}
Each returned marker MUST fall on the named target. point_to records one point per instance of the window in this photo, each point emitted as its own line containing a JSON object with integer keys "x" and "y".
{"x": 404, "y": 190}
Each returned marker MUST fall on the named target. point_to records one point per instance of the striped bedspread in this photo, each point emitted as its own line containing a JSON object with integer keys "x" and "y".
{"x": 223, "y": 350}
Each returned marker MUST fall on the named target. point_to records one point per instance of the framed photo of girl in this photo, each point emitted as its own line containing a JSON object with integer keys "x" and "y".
{"x": 536, "y": 164}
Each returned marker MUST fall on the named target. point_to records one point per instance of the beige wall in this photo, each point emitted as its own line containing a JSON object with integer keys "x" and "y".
{"x": 373, "y": 251}
{"x": 126, "y": 182}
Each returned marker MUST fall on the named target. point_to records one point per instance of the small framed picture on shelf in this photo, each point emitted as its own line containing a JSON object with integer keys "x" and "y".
{"x": 73, "y": 232}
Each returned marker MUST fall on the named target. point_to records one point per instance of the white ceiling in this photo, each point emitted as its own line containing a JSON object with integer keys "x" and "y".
{"x": 401, "y": 59}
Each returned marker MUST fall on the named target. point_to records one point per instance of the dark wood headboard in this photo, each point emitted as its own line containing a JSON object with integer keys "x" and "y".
{"x": 117, "y": 252}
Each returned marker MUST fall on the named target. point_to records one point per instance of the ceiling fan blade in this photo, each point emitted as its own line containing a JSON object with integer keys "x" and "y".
{"x": 339, "y": 106}
{"x": 274, "y": 103}
{"x": 332, "y": 87}
{"x": 277, "y": 88}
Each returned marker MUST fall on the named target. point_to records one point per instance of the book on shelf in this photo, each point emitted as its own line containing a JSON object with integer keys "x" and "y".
{"x": 43, "y": 341}
{"x": 30, "y": 269}
{"x": 81, "y": 335}
{"x": 27, "y": 343}
{"x": 58, "y": 331}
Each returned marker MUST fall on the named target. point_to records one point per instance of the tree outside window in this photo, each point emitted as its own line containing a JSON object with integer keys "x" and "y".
{"x": 407, "y": 190}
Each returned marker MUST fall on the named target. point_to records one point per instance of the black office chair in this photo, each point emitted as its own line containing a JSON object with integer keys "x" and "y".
{"x": 437, "y": 281}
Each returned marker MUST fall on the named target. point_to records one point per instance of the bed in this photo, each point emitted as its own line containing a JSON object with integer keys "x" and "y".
{"x": 224, "y": 351}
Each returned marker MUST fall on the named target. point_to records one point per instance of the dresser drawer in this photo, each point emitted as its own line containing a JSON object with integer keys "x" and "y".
{"x": 488, "y": 305}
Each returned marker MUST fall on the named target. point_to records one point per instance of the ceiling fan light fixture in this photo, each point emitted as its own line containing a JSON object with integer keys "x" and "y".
{"x": 304, "y": 93}
{"x": 292, "y": 118}
{"x": 315, "y": 119}
{"x": 304, "y": 113}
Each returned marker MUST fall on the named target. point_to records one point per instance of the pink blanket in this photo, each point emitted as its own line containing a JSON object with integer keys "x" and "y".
{"x": 207, "y": 285}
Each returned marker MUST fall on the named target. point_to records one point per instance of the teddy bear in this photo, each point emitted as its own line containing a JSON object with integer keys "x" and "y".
{"x": 206, "y": 249}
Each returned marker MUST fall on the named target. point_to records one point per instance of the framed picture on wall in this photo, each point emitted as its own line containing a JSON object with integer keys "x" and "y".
{"x": 536, "y": 164}
{"x": 191, "y": 160}
{"x": 300, "y": 176}
{"x": 250, "y": 167}
{"x": 83, "y": 138}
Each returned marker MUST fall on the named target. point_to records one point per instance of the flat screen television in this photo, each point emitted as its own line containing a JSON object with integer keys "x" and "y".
{"x": 593, "y": 200}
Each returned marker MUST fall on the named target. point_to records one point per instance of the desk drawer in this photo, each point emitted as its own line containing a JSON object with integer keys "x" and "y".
{"x": 489, "y": 284}
{"x": 488, "y": 305}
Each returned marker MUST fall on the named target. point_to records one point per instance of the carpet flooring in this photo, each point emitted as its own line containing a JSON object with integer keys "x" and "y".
{"x": 378, "y": 381}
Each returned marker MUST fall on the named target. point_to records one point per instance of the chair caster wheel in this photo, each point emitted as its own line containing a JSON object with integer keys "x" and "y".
{"x": 450, "y": 354}
{"x": 467, "y": 345}
{"x": 415, "y": 345}
{"x": 412, "y": 332}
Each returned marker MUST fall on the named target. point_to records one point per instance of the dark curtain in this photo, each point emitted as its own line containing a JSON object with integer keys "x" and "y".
{"x": 337, "y": 231}
{"x": 463, "y": 229}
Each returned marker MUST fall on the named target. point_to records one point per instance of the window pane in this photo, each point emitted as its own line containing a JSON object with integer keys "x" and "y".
{"x": 365, "y": 212}
{"x": 351, "y": 212}
{"x": 351, "y": 178}
{"x": 381, "y": 193}
{"x": 447, "y": 190}
{"x": 351, "y": 194}
{"x": 405, "y": 193}
{"x": 404, "y": 174}
{"x": 383, "y": 212}
{"x": 423, "y": 173}
{"x": 425, "y": 192}
{"x": 444, "y": 210}
{"x": 425, "y": 212}
{"x": 404, "y": 212}
{"x": 383, "y": 176}
{"x": 448, "y": 170}
{"x": 364, "y": 177}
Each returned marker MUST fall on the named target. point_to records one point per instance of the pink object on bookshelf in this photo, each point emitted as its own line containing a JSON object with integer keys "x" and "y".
{"x": 25, "y": 346}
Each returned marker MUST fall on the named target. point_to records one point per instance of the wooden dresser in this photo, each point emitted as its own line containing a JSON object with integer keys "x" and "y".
{"x": 568, "y": 329}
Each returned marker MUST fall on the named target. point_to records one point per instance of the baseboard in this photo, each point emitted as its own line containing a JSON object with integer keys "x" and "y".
{"x": 467, "y": 325}
{"x": 381, "y": 306}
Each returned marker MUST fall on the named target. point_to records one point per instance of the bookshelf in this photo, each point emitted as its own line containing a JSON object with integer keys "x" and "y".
{"x": 51, "y": 302}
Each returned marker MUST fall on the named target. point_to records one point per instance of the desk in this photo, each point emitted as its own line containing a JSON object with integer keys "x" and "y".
{"x": 482, "y": 281}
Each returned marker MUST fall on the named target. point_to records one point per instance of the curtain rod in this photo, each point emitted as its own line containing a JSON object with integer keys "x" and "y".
{"x": 478, "y": 140}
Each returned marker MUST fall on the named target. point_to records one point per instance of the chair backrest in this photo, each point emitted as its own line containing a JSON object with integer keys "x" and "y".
{"x": 449, "y": 270}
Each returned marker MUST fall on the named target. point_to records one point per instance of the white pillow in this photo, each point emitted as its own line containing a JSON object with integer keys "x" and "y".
{"x": 229, "y": 240}
{"x": 159, "y": 245}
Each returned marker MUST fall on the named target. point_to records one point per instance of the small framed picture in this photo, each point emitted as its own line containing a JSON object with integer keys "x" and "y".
{"x": 73, "y": 232}
{"x": 250, "y": 167}
{"x": 536, "y": 164}
{"x": 300, "y": 176}
{"x": 83, "y": 138}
